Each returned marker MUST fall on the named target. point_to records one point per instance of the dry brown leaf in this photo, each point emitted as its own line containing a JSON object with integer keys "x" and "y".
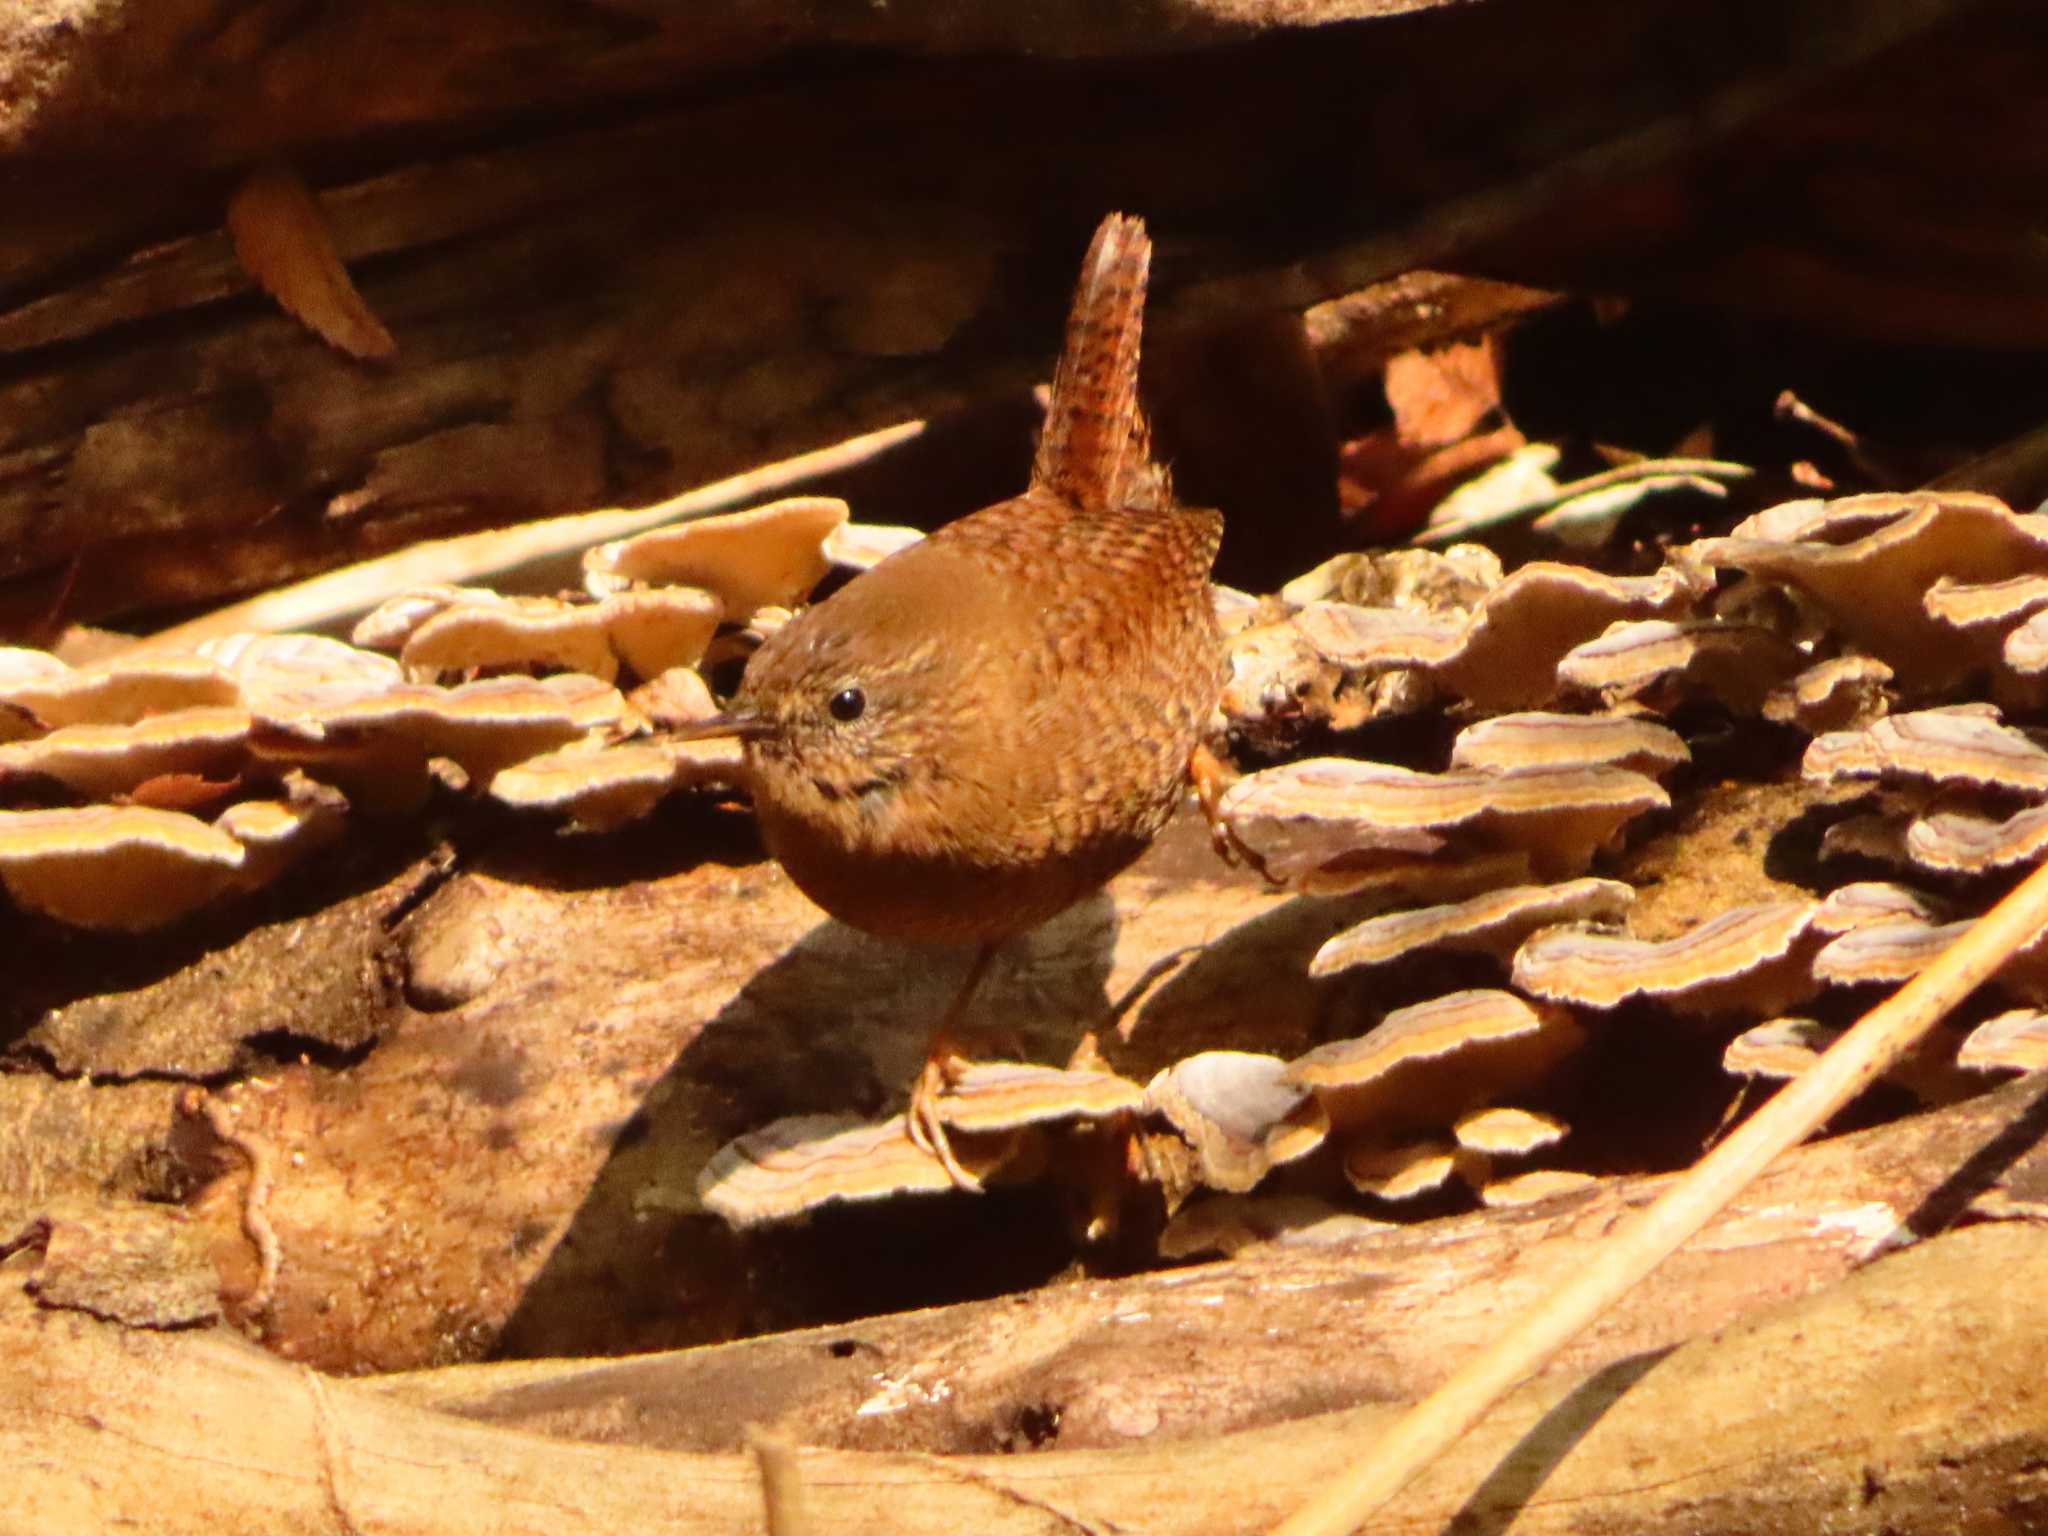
{"x": 180, "y": 792}
{"x": 282, "y": 241}
{"x": 1441, "y": 398}
{"x": 1442, "y": 394}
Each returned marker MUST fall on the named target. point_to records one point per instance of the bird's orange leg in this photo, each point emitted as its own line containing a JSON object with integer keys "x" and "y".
{"x": 1211, "y": 776}
{"x": 942, "y": 1063}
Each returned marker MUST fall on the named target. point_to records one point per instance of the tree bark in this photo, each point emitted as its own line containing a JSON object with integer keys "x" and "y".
{"x": 1844, "y": 1411}
{"x": 610, "y": 306}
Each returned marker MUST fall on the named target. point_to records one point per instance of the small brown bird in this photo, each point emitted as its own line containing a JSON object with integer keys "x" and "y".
{"x": 981, "y": 730}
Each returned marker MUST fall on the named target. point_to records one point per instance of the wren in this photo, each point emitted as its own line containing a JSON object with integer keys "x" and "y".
{"x": 986, "y": 726}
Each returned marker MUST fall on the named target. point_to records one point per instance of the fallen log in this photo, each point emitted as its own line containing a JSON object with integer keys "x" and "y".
{"x": 1843, "y": 1411}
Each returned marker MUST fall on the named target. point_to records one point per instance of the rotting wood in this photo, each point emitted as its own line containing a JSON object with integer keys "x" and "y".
{"x": 614, "y": 313}
{"x": 1843, "y": 1411}
{"x": 511, "y": 1165}
{"x": 1877, "y": 1041}
{"x": 1285, "y": 1328}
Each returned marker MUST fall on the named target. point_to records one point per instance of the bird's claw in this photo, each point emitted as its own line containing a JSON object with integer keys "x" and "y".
{"x": 928, "y": 1129}
{"x": 1211, "y": 776}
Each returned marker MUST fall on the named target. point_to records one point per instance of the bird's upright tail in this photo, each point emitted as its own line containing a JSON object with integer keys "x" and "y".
{"x": 1095, "y": 449}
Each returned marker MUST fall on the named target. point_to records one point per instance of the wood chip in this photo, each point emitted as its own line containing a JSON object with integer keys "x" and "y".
{"x": 282, "y": 240}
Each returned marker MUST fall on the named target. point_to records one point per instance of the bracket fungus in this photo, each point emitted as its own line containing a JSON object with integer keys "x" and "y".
{"x": 124, "y": 867}
{"x": 1870, "y": 562}
{"x": 1752, "y": 958}
{"x": 1964, "y": 745}
{"x": 1421, "y": 580}
{"x": 768, "y": 556}
{"x": 598, "y": 788}
{"x": 531, "y": 633}
{"x": 2025, "y": 650}
{"x": 1503, "y": 654}
{"x": 1306, "y": 816}
{"x": 1400, "y": 1170}
{"x": 283, "y": 678}
{"x": 1865, "y": 902}
{"x": 1839, "y": 694}
{"x": 1505, "y": 1131}
{"x": 1535, "y": 1185}
{"x": 113, "y": 692}
{"x": 989, "y": 1096}
{"x": 806, "y": 1162}
{"x": 662, "y": 629}
{"x": 1992, "y": 606}
{"x": 1958, "y": 843}
{"x": 1536, "y": 739}
{"x": 2014, "y": 1041}
{"x": 861, "y": 546}
{"x": 275, "y": 834}
{"x": 101, "y": 761}
{"x": 1380, "y": 639}
{"x": 393, "y": 622}
{"x": 1239, "y": 1114}
{"x": 1888, "y": 951}
{"x": 998, "y": 1111}
{"x": 1781, "y": 1049}
{"x": 1662, "y": 659}
{"x": 468, "y": 629}
{"x": 1527, "y": 625}
{"x": 1778, "y": 1050}
{"x": 1424, "y": 1065}
{"x": 1493, "y": 922}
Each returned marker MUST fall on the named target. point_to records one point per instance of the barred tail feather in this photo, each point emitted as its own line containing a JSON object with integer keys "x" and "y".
{"x": 1095, "y": 450}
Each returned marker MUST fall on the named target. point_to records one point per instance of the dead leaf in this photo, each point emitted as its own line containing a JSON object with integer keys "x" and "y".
{"x": 1443, "y": 394}
{"x": 1441, "y": 399}
{"x": 180, "y": 792}
{"x": 282, "y": 241}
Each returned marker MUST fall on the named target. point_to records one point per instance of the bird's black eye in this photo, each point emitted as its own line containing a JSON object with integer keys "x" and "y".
{"x": 848, "y": 704}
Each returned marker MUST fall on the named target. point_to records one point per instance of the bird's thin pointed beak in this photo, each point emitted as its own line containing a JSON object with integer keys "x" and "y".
{"x": 744, "y": 724}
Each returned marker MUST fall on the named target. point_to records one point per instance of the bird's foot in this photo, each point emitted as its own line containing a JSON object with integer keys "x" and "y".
{"x": 1211, "y": 776}
{"x": 927, "y": 1126}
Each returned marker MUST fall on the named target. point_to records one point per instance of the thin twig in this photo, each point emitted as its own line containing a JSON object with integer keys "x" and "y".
{"x": 355, "y": 589}
{"x": 1879, "y": 1039}
{"x": 782, "y": 1483}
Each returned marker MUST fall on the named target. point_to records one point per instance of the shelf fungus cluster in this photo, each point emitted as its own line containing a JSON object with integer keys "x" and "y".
{"x": 136, "y": 790}
{"x": 1502, "y": 749}
{"x": 1496, "y": 856}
